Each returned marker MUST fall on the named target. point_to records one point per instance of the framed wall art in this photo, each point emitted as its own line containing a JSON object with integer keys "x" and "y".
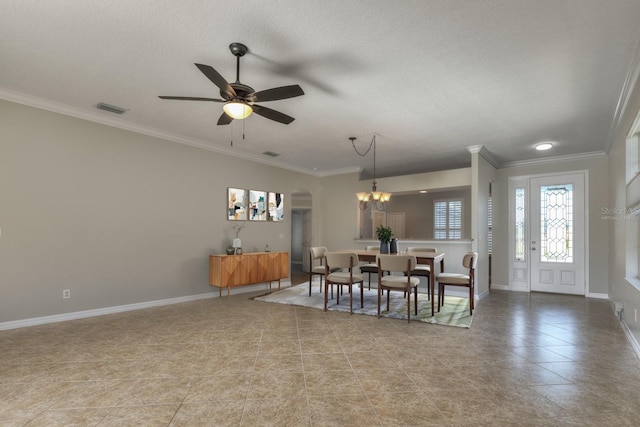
{"x": 257, "y": 205}
{"x": 237, "y": 204}
{"x": 276, "y": 206}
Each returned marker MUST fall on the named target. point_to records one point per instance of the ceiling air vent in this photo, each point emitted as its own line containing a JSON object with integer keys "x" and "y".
{"x": 111, "y": 108}
{"x": 271, "y": 154}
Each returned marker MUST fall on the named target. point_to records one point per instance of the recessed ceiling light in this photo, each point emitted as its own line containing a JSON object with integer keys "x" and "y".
{"x": 544, "y": 146}
{"x": 423, "y": 191}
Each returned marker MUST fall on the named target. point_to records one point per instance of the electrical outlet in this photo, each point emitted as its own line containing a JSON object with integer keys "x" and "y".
{"x": 66, "y": 293}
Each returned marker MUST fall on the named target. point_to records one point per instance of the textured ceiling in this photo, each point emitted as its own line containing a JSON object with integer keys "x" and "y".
{"x": 429, "y": 78}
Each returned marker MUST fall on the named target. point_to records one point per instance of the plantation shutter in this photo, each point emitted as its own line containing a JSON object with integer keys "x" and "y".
{"x": 455, "y": 219}
{"x": 440, "y": 220}
{"x": 490, "y": 224}
{"x": 447, "y": 219}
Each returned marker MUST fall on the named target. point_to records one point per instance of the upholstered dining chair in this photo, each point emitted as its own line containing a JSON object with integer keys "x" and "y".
{"x": 421, "y": 270}
{"x": 339, "y": 270}
{"x": 316, "y": 264}
{"x": 372, "y": 267}
{"x": 470, "y": 260}
{"x": 403, "y": 264}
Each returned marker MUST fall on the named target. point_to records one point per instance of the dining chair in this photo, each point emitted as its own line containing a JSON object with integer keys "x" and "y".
{"x": 372, "y": 267}
{"x": 404, "y": 264}
{"x": 470, "y": 260}
{"x": 339, "y": 270}
{"x": 316, "y": 264}
{"x": 421, "y": 270}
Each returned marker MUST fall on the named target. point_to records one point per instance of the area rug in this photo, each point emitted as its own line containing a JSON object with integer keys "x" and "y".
{"x": 455, "y": 311}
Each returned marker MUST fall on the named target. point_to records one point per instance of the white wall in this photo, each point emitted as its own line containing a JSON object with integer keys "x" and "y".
{"x": 483, "y": 175}
{"x": 116, "y": 217}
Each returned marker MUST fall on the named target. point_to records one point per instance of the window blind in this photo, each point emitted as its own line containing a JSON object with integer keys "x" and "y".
{"x": 447, "y": 219}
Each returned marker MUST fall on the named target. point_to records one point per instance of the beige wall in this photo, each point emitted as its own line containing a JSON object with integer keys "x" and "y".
{"x": 114, "y": 216}
{"x": 122, "y": 218}
{"x": 620, "y": 290}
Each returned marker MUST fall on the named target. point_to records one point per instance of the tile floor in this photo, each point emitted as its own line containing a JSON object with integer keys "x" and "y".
{"x": 528, "y": 360}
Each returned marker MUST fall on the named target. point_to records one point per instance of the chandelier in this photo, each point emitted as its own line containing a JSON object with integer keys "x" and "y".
{"x": 377, "y": 198}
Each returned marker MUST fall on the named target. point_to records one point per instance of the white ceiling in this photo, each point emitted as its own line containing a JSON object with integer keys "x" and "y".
{"x": 429, "y": 78}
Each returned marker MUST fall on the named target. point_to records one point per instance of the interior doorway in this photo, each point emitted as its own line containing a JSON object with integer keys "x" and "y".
{"x": 301, "y": 231}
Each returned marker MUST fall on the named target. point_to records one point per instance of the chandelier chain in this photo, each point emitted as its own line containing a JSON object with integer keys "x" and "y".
{"x": 368, "y": 149}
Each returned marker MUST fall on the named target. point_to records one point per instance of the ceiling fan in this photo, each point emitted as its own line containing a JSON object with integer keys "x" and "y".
{"x": 239, "y": 99}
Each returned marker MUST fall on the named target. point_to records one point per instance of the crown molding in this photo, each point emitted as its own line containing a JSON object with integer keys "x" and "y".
{"x": 556, "y": 159}
{"x": 484, "y": 153}
{"x": 101, "y": 118}
{"x": 630, "y": 83}
{"x": 474, "y": 148}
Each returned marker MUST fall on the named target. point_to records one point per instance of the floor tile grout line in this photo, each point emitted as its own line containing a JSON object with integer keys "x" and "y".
{"x": 304, "y": 374}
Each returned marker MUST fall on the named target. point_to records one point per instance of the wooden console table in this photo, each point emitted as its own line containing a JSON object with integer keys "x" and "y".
{"x": 229, "y": 271}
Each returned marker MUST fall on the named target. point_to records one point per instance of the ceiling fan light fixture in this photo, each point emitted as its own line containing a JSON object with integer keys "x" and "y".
{"x": 237, "y": 109}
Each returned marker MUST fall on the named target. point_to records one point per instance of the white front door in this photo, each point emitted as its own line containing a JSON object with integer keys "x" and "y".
{"x": 548, "y": 244}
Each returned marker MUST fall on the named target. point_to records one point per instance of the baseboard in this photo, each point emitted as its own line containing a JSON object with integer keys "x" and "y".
{"x": 497, "y": 287}
{"x": 23, "y": 323}
{"x": 596, "y": 295}
{"x": 631, "y": 338}
{"x": 482, "y": 295}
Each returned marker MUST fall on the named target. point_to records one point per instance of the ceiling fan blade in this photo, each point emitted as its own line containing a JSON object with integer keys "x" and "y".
{"x": 217, "y": 80}
{"x": 224, "y": 119}
{"x": 276, "y": 93}
{"x": 191, "y": 98}
{"x": 272, "y": 114}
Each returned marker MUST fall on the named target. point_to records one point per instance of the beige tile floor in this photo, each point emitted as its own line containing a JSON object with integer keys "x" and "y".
{"x": 528, "y": 359}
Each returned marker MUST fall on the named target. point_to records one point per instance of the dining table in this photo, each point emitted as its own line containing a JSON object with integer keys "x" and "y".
{"x": 428, "y": 258}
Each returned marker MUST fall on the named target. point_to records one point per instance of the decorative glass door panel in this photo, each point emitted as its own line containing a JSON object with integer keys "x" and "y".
{"x": 556, "y": 223}
{"x": 557, "y": 242}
